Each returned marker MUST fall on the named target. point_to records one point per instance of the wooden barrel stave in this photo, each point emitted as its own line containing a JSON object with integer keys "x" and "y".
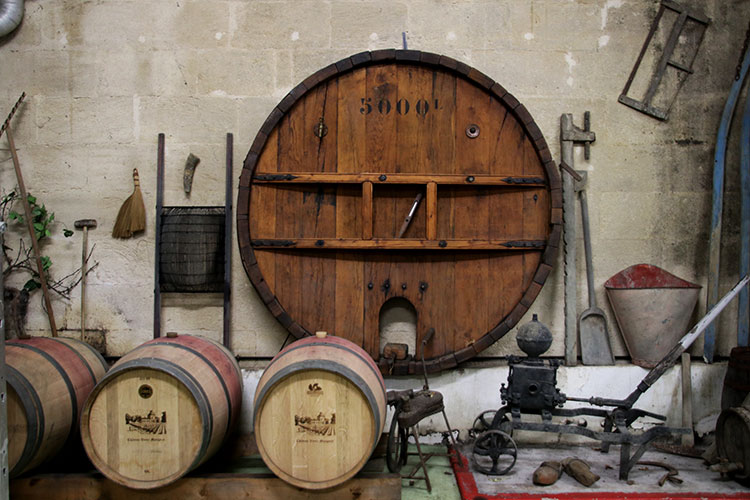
{"x": 319, "y": 411}
{"x": 183, "y": 393}
{"x": 49, "y": 380}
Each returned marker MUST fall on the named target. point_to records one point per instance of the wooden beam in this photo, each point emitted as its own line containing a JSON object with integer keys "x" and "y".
{"x": 517, "y": 181}
{"x": 399, "y": 244}
{"x": 368, "y": 486}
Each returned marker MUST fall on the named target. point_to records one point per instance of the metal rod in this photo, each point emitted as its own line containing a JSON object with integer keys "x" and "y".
{"x": 32, "y": 233}
{"x": 84, "y": 247}
{"x": 408, "y": 218}
{"x": 157, "y": 236}
{"x": 569, "y": 237}
{"x": 228, "y": 241}
{"x": 4, "y": 466}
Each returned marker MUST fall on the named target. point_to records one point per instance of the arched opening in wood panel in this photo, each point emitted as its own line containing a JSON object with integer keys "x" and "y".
{"x": 398, "y": 324}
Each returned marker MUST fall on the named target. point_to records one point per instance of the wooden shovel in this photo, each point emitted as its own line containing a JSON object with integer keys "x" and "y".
{"x": 592, "y": 323}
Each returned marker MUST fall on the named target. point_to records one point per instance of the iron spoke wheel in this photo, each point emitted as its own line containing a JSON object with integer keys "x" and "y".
{"x": 494, "y": 453}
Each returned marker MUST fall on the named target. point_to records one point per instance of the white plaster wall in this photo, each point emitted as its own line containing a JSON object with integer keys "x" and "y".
{"x": 104, "y": 77}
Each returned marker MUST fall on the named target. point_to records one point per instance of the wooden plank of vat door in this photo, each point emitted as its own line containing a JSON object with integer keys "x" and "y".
{"x": 378, "y": 288}
{"x": 437, "y": 312}
{"x": 431, "y": 209}
{"x": 440, "y": 100}
{"x": 366, "y": 211}
{"x": 263, "y": 205}
{"x": 376, "y": 104}
{"x": 410, "y": 154}
{"x": 350, "y": 288}
{"x": 364, "y": 486}
{"x": 472, "y": 207}
{"x": 353, "y": 207}
{"x": 499, "y": 179}
{"x": 318, "y": 283}
{"x": 327, "y": 146}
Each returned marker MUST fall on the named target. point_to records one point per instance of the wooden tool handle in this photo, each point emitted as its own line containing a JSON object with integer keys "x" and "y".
{"x": 136, "y": 179}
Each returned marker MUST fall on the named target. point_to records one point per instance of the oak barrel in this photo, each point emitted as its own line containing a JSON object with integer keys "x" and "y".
{"x": 320, "y": 408}
{"x": 361, "y": 145}
{"x": 48, "y": 382}
{"x": 737, "y": 379}
{"x": 162, "y": 410}
{"x": 733, "y": 438}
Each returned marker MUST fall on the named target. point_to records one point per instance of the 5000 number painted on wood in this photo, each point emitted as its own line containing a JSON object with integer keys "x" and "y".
{"x": 400, "y": 174}
{"x": 162, "y": 410}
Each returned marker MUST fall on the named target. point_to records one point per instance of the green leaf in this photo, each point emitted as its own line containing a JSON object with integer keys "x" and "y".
{"x": 46, "y": 232}
{"x": 32, "y": 285}
{"x": 51, "y": 217}
{"x": 39, "y": 226}
{"x": 67, "y": 233}
{"x": 13, "y": 215}
{"x": 31, "y": 199}
{"x": 46, "y": 262}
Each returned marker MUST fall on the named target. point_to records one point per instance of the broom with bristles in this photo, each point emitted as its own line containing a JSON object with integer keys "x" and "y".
{"x": 132, "y": 215}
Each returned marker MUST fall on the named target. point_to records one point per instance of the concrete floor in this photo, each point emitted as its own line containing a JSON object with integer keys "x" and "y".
{"x": 696, "y": 477}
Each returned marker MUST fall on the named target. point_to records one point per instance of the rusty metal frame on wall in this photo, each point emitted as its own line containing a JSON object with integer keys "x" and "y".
{"x": 227, "y": 208}
{"x": 683, "y": 16}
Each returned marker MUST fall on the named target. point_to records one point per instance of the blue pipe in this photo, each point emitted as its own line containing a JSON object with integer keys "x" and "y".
{"x": 709, "y": 342}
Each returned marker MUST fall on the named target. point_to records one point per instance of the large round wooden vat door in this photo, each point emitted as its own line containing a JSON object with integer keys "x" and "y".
{"x": 400, "y": 174}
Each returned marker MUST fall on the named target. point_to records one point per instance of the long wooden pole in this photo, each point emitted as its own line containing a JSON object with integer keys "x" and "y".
{"x": 32, "y": 233}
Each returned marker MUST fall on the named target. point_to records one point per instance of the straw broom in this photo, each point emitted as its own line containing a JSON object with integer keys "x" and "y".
{"x": 132, "y": 216}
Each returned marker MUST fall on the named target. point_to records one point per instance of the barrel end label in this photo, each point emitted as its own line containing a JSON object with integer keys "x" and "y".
{"x": 315, "y": 428}
{"x": 149, "y": 423}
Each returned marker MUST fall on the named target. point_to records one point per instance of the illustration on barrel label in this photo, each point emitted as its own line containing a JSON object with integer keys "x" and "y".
{"x": 149, "y": 423}
{"x": 320, "y": 425}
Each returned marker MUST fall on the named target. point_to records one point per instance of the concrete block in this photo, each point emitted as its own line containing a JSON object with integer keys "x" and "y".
{"x": 53, "y": 120}
{"x": 435, "y": 27}
{"x": 221, "y": 72}
{"x": 202, "y": 24}
{"x": 38, "y": 72}
{"x": 357, "y": 25}
{"x": 129, "y": 71}
{"x": 628, "y": 215}
{"x": 281, "y": 25}
{"x": 102, "y": 120}
{"x": 81, "y": 24}
{"x": 514, "y": 69}
{"x": 184, "y": 120}
{"x": 582, "y": 26}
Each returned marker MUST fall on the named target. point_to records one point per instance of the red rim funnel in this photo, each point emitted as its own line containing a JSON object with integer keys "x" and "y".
{"x": 652, "y": 308}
